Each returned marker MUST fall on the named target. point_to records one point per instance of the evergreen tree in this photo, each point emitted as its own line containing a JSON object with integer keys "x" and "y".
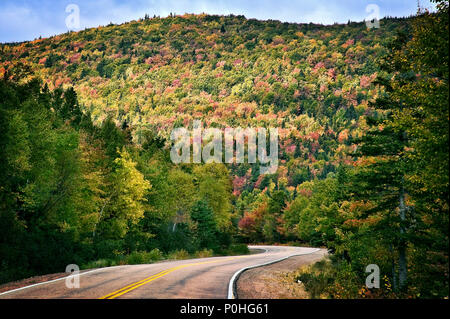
{"x": 205, "y": 226}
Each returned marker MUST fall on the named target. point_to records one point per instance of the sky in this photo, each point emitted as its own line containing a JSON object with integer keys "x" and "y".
{"x": 22, "y": 20}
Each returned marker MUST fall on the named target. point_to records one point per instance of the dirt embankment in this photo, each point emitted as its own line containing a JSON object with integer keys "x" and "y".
{"x": 273, "y": 281}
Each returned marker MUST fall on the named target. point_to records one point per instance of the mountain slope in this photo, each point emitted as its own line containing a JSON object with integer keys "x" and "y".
{"x": 313, "y": 82}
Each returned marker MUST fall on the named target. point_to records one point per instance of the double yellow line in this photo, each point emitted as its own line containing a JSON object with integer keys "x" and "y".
{"x": 144, "y": 281}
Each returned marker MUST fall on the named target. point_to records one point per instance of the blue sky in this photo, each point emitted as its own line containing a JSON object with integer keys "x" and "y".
{"x": 22, "y": 20}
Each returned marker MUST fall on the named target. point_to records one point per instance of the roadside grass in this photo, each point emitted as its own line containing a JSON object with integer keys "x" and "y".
{"x": 237, "y": 249}
{"x": 315, "y": 278}
{"x": 204, "y": 253}
{"x": 178, "y": 254}
{"x": 143, "y": 257}
{"x": 330, "y": 278}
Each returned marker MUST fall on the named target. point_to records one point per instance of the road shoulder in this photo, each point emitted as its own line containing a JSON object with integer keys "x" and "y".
{"x": 271, "y": 281}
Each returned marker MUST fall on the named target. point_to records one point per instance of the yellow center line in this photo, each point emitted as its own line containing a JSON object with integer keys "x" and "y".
{"x": 144, "y": 281}
{"x": 117, "y": 291}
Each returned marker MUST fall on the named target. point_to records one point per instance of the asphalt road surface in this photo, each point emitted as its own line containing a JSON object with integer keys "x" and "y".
{"x": 190, "y": 278}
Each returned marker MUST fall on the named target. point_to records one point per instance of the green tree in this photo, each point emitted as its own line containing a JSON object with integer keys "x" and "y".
{"x": 205, "y": 227}
{"x": 214, "y": 186}
{"x": 380, "y": 180}
{"x": 419, "y": 98}
{"x": 126, "y": 200}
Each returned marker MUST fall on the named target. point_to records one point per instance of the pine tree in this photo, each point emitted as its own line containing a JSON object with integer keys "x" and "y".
{"x": 380, "y": 179}
{"x": 205, "y": 226}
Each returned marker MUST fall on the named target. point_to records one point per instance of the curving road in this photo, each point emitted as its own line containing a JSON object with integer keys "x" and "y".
{"x": 191, "y": 278}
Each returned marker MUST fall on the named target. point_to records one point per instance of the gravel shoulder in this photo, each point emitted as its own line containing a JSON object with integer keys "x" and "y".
{"x": 30, "y": 281}
{"x": 273, "y": 281}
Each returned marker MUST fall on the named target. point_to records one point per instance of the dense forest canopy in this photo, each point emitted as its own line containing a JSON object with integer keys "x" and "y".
{"x": 362, "y": 116}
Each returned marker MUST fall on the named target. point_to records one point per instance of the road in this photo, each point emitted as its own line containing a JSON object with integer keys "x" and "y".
{"x": 191, "y": 278}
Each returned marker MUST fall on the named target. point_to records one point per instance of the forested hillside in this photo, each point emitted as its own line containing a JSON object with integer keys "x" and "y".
{"x": 362, "y": 116}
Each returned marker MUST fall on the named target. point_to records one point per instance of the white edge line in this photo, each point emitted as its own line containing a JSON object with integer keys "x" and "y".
{"x": 237, "y": 273}
{"x": 54, "y": 280}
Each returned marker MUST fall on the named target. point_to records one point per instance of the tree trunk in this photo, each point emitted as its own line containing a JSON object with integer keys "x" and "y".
{"x": 402, "y": 263}
{"x": 402, "y": 269}
{"x": 394, "y": 270}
